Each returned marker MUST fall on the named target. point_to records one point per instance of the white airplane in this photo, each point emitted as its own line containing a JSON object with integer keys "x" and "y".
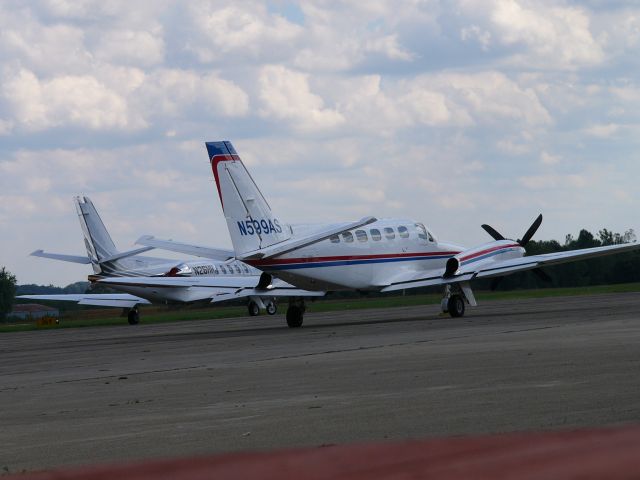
{"x": 368, "y": 254}
{"x": 149, "y": 280}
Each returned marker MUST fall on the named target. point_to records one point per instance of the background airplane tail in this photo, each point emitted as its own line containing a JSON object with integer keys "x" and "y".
{"x": 252, "y": 224}
{"x": 97, "y": 240}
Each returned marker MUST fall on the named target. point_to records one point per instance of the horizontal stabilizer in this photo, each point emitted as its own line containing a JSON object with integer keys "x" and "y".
{"x": 64, "y": 258}
{"x": 121, "y": 300}
{"x": 296, "y": 243}
{"x": 218, "y": 254}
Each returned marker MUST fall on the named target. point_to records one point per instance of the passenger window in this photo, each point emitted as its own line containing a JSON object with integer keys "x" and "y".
{"x": 375, "y": 234}
{"x": 334, "y": 239}
{"x": 361, "y": 235}
{"x": 389, "y": 233}
{"x": 237, "y": 269}
{"x": 403, "y": 232}
{"x": 222, "y": 269}
{"x": 215, "y": 270}
{"x": 347, "y": 237}
{"x": 244, "y": 267}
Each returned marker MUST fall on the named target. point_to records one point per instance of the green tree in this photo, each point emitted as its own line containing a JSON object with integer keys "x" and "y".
{"x": 7, "y": 292}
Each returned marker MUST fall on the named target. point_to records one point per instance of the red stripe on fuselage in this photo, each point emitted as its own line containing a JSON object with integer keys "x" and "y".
{"x": 215, "y": 160}
{"x": 488, "y": 250}
{"x": 288, "y": 261}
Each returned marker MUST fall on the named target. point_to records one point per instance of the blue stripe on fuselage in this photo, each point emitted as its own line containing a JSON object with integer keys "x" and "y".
{"x": 338, "y": 263}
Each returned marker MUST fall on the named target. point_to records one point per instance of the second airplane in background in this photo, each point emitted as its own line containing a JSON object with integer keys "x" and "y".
{"x": 146, "y": 280}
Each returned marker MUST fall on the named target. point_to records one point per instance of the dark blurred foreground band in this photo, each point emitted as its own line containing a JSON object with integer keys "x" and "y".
{"x": 612, "y": 453}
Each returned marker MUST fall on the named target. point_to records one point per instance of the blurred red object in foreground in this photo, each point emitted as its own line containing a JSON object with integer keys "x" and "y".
{"x": 586, "y": 454}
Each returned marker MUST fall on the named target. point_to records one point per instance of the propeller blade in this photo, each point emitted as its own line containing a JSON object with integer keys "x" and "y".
{"x": 492, "y": 231}
{"x": 531, "y": 232}
{"x": 542, "y": 275}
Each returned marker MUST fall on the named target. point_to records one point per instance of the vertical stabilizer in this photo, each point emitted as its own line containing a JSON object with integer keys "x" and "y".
{"x": 96, "y": 237}
{"x": 252, "y": 224}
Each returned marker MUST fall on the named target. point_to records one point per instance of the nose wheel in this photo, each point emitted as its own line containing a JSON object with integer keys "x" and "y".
{"x": 271, "y": 307}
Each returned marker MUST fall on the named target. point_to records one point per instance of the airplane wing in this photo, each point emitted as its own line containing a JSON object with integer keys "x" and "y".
{"x": 502, "y": 268}
{"x": 214, "y": 288}
{"x": 195, "y": 250}
{"x": 123, "y": 300}
{"x": 296, "y": 243}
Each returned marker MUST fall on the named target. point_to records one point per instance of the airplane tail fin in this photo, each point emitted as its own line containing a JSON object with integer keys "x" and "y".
{"x": 97, "y": 240}
{"x": 251, "y": 222}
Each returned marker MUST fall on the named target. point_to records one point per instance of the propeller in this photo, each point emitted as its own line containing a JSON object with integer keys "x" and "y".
{"x": 527, "y": 236}
{"x": 525, "y": 239}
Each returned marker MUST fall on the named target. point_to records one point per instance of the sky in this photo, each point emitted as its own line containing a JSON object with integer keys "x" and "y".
{"x": 453, "y": 113}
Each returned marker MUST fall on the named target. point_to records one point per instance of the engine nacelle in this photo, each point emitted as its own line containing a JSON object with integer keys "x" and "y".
{"x": 489, "y": 252}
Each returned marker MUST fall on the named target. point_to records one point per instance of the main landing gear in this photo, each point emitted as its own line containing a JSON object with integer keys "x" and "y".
{"x": 133, "y": 316}
{"x": 455, "y": 298}
{"x": 254, "y": 306}
{"x": 295, "y": 312}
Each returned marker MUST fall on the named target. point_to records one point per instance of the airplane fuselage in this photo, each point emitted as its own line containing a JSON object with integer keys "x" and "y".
{"x": 369, "y": 258}
{"x": 362, "y": 259}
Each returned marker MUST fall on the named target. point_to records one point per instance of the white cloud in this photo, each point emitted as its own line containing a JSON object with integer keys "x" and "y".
{"x": 244, "y": 29}
{"x": 80, "y": 101}
{"x": 139, "y": 48}
{"x": 285, "y": 95}
{"x": 554, "y": 181}
{"x": 172, "y": 92}
{"x": 602, "y": 130}
{"x": 549, "y": 159}
{"x": 556, "y": 36}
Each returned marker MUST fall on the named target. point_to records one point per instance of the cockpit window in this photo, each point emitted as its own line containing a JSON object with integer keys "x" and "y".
{"x": 403, "y": 232}
{"x": 422, "y": 232}
{"x": 334, "y": 239}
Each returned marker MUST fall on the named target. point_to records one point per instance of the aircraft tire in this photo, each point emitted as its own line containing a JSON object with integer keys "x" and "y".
{"x": 133, "y": 317}
{"x": 456, "y": 306}
{"x": 272, "y": 308}
{"x": 254, "y": 309}
{"x": 295, "y": 316}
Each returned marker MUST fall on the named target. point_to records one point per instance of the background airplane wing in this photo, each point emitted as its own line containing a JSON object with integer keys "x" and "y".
{"x": 179, "y": 247}
{"x": 216, "y": 289}
{"x": 502, "y": 268}
{"x": 123, "y": 300}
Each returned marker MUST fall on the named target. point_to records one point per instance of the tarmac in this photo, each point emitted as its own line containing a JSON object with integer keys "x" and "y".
{"x": 111, "y": 394}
